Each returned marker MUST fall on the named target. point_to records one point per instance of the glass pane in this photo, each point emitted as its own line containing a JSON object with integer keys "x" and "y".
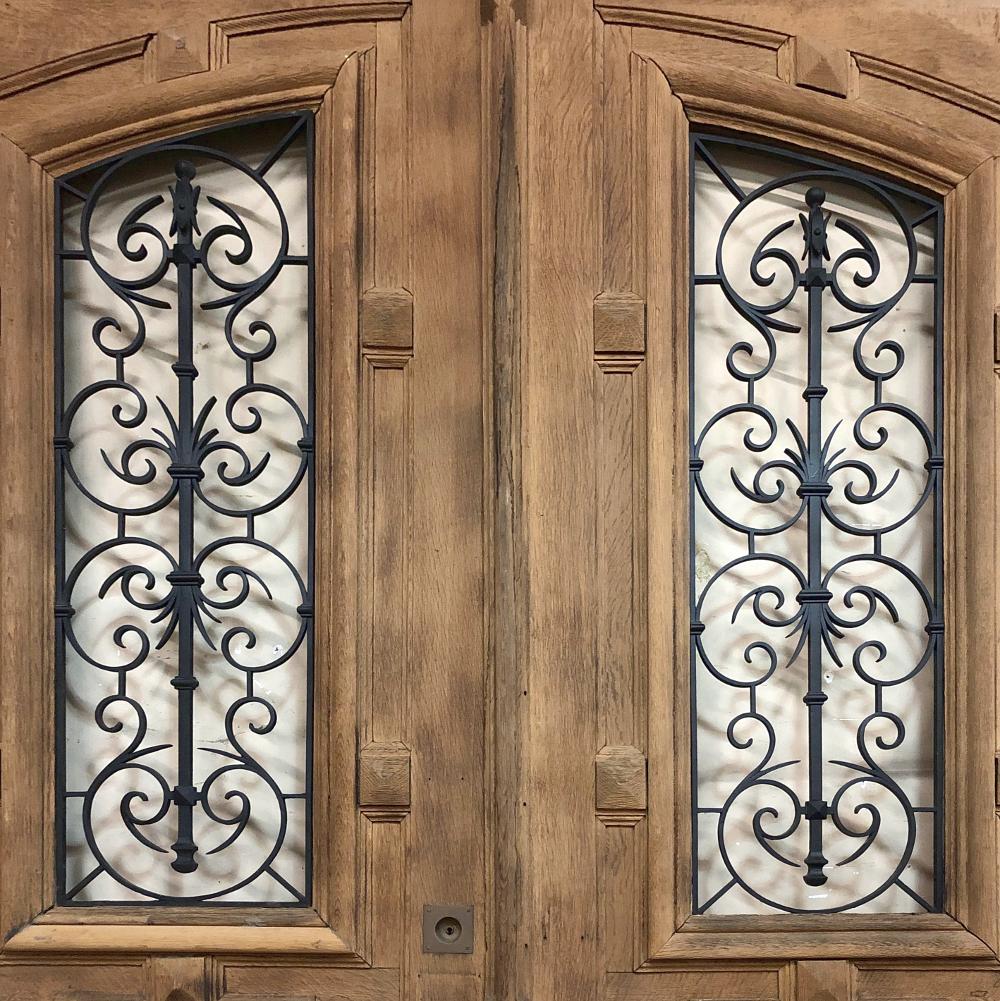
{"x": 184, "y": 520}
{"x": 816, "y": 455}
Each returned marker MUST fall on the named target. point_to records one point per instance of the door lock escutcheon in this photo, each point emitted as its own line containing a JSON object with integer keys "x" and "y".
{"x": 448, "y": 928}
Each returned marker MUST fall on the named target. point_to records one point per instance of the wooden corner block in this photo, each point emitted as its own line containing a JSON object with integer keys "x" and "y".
{"x": 619, "y": 323}
{"x": 620, "y": 779}
{"x": 177, "y": 52}
{"x": 820, "y": 66}
{"x": 387, "y": 318}
{"x": 384, "y": 775}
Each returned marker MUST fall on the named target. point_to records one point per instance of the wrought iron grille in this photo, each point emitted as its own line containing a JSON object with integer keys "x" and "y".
{"x": 816, "y": 536}
{"x": 184, "y": 740}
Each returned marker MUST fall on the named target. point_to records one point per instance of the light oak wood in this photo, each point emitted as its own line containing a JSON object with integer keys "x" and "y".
{"x": 387, "y": 319}
{"x": 176, "y": 939}
{"x": 384, "y": 778}
{"x": 619, "y": 323}
{"x": 176, "y": 978}
{"x": 620, "y": 785}
{"x": 501, "y": 302}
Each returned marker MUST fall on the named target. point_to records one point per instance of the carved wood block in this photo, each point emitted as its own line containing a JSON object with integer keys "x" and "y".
{"x": 384, "y": 776}
{"x": 177, "y": 978}
{"x": 176, "y": 52}
{"x": 620, "y": 780}
{"x": 387, "y": 318}
{"x": 619, "y": 323}
{"x": 820, "y": 66}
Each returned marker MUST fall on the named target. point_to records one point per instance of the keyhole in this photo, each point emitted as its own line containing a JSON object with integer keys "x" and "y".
{"x": 448, "y": 930}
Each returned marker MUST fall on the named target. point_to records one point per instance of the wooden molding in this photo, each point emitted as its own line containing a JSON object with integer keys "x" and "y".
{"x": 387, "y": 319}
{"x": 872, "y": 137}
{"x": 78, "y": 62}
{"x": 741, "y": 937}
{"x": 174, "y": 940}
{"x": 925, "y": 83}
{"x": 384, "y": 776}
{"x": 619, "y": 323}
{"x": 820, "y": 66}
{"x": 691, "y": 24}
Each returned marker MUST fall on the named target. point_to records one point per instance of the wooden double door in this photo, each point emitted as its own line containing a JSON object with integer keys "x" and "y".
{"x": 500, "y": 195}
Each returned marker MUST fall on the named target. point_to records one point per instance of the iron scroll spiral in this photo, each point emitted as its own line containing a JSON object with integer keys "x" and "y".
{"x": 810, "y": 607}
{"x": 190, "y": 462}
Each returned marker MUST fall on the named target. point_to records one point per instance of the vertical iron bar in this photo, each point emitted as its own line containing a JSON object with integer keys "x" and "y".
{"x": 185, "y": 470}
{"x": 813, "y": 489}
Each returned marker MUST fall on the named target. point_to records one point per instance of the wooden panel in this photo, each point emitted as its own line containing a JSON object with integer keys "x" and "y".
{"x": 114, "y": 981}
{"x": 621, "y": 550}
{"x": 386, "y": 451}
{"x": 447, "y": 987}
{"x": 306, "y": 42}
{"x": 737, "y": 984}
{"x": 289, "y": 983}
{"x": 926, "y": 984}
{"x": 718, "y": 44}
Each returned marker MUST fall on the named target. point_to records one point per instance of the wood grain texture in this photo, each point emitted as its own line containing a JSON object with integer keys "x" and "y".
{"x": 620, "y": 781}
{"x": 336, "y": 839}
{"x": 384, "y": 776}
{"x": 387, "y": 318}
{"x": 668, "y": 739}
{"x": 503, "y": 143}
{"x": 870, "y": 136}
{"x": 289, "y": 983}
{"x": 224, "y": 30}
{"x": 970, "y": 552}
{"x": 619, "y": 323}
{"x": 118, "y": 980}
{"x": 26, "y": 571}
{"x": 823, "y": 980}
{"x": 735, "y": 984}
{"x": 105, "y": 940}
{"x": 446, "y": 702}
{"x": 74, "y": 63}
{"x": 177, "y": 978}
{"x": 508, "y": 180}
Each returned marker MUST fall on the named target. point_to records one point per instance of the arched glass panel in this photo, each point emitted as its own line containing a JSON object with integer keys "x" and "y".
{"x": 816, "y": 531}
{"x": 184, "y": 497}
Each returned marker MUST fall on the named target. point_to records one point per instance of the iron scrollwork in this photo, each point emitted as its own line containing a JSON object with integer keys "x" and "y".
{"x": 189, "y": 564}
{"x": 821, "y": 536}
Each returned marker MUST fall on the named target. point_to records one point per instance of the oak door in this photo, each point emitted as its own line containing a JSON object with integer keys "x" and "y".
{"x": 498, "y": 500}
{"x": 240, "y": 242}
